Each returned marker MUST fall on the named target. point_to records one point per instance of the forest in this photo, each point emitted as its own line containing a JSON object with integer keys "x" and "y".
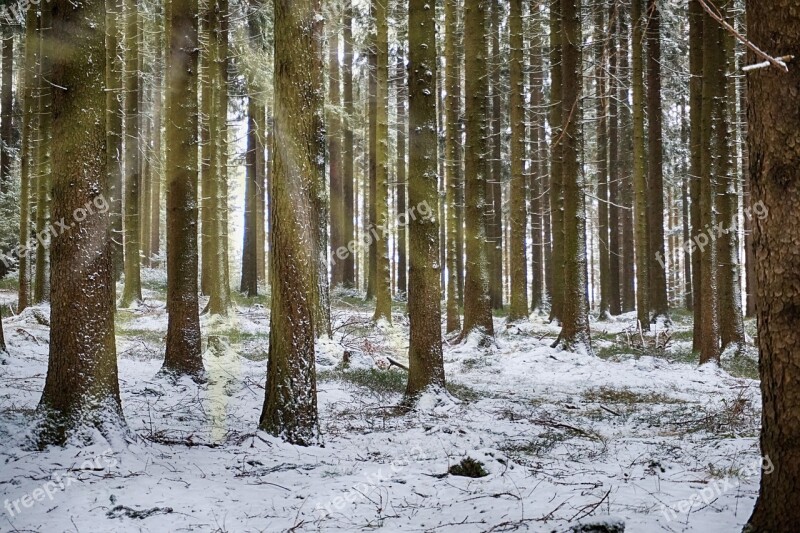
{"x": 423, "y": 265}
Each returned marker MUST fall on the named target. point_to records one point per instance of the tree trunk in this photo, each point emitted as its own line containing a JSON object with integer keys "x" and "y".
{"x": 696, "y": 53}
{"x": 537, "y": 169}
{"x": 183, "y": 353}
{"x": 402, "y": 207}
{"x": 518, "y": 193}
{"x": 371, "y": 181}
{"x": 383, "y": 275}
{"x": 290, "y": 406}
{"x": 657, "y": 298}
{"x": 642, "y": 235}
{"x": 348, "y": 188}
{"x": 452, "y": 161}
{"x": 556, "y": 283}
{"x": 775, "y": 185}
{"x": 602, "y": 164}
{"x": 6, "y": 118}
{"x": 44, "y": 110}
{"x": 477, "y": 301}
{"x": 81, "y": 388}
{"x": 494, "y": 192}
{"x": 575, "y": 335}
{"x": 334, "y": 130}
{"x": 614, "y": 175}
{"x": 426, "y": 365}
{"x": 132, "y": 290}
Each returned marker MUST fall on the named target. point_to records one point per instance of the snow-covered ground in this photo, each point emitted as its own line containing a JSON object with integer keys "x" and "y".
{"x": 652, "y": 441}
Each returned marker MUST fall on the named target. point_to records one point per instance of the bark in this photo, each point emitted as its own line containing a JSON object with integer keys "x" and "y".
{"x": 614, "y": 174}
{"x": 42, "y": 166}
{"x": 452, "y": 163}
{"x": 696, "y": 53}
{"x": 183, "y": 352}
{"x": 477, "y": 302}
{"x": 132, "y": 290}
{"x": 290, "y": 406}
{"x": 383, "y": 276}
{"x": 157, "y": 160}
{"x": 602, "y": 164}
{"x": 426, "y": 365}
{"x": 81, "y": 388}
{"x": 575, "y": 335}
{"x": 519, "y": 191}
{"x": 7, "y": 113}
{"x": 371, "y": 180}
{"x": 494, "y": 192}
{"x": 657, "y": 298}
{"x": 556, "y": 281}
{"x": 642, "y": 236}
{"x": 537, "y": 169}
{"x": 775, "y": 183}
{"x": 336, "y": 178}
{"x": 402, "y": 126}
{"x": 26, "y": 157}
{"x": 348, "y": 188}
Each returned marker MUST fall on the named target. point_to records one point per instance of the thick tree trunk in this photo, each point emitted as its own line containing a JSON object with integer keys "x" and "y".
{"x": 575, "y": 335}
{"x": 426, "y": 365}
{"x": 775, "y": 185}
{"x": 183, "y": 352}
{"x": 290, "y": 407}
{"x": 477, "y": 302}
{"x": 81, "y": 388}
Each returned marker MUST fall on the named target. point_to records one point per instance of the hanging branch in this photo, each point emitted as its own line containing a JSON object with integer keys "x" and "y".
{"x": 778, "y": 62}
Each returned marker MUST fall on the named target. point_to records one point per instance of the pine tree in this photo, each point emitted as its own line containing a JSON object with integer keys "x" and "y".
{"x": 452, "y": 166}
{"x": 81, "y": 388}
{"x": 290, "y": 406}
{"x": 348, "y": 188}
{"x": 426, "y": 364}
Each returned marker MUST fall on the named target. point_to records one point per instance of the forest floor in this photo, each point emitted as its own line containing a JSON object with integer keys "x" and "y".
{"x": 638, "y": 434}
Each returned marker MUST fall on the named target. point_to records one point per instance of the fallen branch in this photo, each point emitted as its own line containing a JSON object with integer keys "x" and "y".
{"x": 393, "y": 362}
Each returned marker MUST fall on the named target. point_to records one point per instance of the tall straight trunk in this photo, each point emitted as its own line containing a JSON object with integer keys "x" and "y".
{"x": 205, "y": 89}
{"x": 688, "y": 289}
{"x": 426, "y": 365}
{"x": 575, "y": 335}
{"x": 709, "y": 325}
{"x": 731, "y": 319}
{"x": 261, "y": 197}
{"x": 495, "y": 166}
{"x": 401, "y": 177}
{"x": 6, "y": 117}
{"x": 132, "y": 290}
{"x": 639, "y": 172}
{"x": 219, "y": 283}
{"x": 602, "y": 163}
{"x": 81, "y": 389}
{"x": 114, "y": 127}
{"x": 249, "y": 281}
{"x": 43, "y": 177}
{"x": 536, "y": 170}
{"x": 519, "y": 190}
{"x": 383, "y": 283}
{"x": 775, "y": 184}
{"x": 183, "y": 352}
{"x": 157, "y": 159}
{"x": 26, "y": 157}
{"x": 614, "y": 175}
{"x": 459, "y": 164}
{"x": 348, "y": 187}
{"x": 477, "y": 301}
{"x": 334, "y": 130}
{"x": 290, "y": 406}
{"x": 626, "y": 163}
{"x": 556, "y": 285}
{"x": 655, "y": 182}
{"x": 371, "y": 181}
{"x": 146, "y": 149}
{"x": 452, "y": 162}
{"x": 696, "y": 149}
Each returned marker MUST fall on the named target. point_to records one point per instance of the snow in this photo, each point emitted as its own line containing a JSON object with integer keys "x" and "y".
{"x": 647, "y": 440}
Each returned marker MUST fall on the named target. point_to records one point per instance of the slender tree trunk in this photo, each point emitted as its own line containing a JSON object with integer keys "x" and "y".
{"x": 402, "y": 126}
{"x": 290, "y": 407}
{"x": 183, "y": 353}
{"x": 249, "y": 281}
{"x": 114, "y": 127}
{"x": 132, "y": 290}
{"x": 775, "y": 185}
{"x": 477, "y": 301}
{"x": 709, "y": 326}
{"x": 494, "y": 191}
{"x": 518, "y": 193}
{"x": 44, "y": 110}
{"x": 643, "y": 259}
{"x": 614, "y": 175}
{"x": 6, "y": 118}
{"x": 696, "y": 53}
{"x": 26, "y": 157}
{"x": 334, "y": 130}
{"x": 452, "y": 162}
{"x": 688, "y": 292}
{"x": 537, "y": 172}
{"x": 556, "y": 159}
{"x": 206, "y": 150}
{"x": 426, "y": 365}
{"x": 348, "y": 188}
{"x": 157, "y": 159}
{"x": 81, "y": 388}
{"x": 383, "y": 283}
{"x": 371, "y": 181}
{"x": 602, "y": 163}
{"x": 657, "y": 298}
